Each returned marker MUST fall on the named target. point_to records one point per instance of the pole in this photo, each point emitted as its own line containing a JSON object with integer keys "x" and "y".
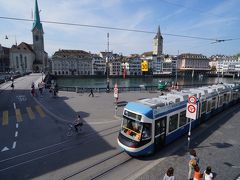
{"x": 107, "y": 63}
{"x": 218, "y": 72}
{"x": 177, "y": 65}
{"x": 189, "y": 132}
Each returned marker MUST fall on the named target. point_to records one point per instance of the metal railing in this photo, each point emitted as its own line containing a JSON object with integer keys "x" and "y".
{"x": 150, "y": 89}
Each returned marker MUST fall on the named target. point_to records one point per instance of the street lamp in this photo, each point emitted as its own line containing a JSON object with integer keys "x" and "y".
{"x": 107, "y": 64}
{"x": 6, "y": 37}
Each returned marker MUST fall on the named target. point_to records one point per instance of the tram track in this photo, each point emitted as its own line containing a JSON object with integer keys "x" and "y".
{"x": 54, "y": 149}
{"x": 101, "y": 167}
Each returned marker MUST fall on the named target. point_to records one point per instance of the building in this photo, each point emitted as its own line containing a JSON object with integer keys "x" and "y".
{"x": 4, "y": 59}
{"x": 30, "y": 57}
{"x": 98, "y": 65}
{"x": 134, "y": 62}
{"x": 72, "y": 62}
{"x": 21, "y": 58}
{"x": 190, "y": 64}
{"x": 225, "y": 65}
{"x": 158, "y": 43}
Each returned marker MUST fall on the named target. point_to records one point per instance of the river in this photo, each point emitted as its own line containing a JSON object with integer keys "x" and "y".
{"x": 135, "y": 82}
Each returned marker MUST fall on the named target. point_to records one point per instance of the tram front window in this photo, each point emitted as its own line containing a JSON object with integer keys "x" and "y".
{"x": 146, "y": 133}
{"x": 132, "y": 129}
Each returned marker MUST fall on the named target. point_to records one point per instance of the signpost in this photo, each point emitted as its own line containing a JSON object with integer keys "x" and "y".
{"x": 191, "y": 114}
{"x": 115, "y": 94}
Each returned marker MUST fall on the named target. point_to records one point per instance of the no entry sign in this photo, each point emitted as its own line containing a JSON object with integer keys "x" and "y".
{"x": 192, "y": 99}
{"x": 191, "y": 111}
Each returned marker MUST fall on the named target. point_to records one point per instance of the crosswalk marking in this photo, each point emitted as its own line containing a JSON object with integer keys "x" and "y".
{"x": 30, "y": 113}
{"x": 5, "y": 118}
{"x": 18, "y": 115}
{"x": 40, "y": 111}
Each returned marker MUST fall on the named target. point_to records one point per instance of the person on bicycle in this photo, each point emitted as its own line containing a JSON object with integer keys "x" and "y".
{"x": 78, "y": 123}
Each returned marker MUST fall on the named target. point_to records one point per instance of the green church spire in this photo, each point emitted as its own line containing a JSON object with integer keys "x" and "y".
{"x": 37, "y": 23}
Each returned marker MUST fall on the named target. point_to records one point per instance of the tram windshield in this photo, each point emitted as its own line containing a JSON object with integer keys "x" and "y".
{"x": 135, "y": 129}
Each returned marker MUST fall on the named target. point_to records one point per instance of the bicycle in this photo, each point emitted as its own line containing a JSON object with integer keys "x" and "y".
{"x": 71, "y": 129}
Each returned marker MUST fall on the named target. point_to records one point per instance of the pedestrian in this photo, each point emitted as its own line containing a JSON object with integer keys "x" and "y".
{"x": 91, "y": 93}
{"x": 40, "y": 88}
{"x": 208, "y": 175}
{"x": 197, "y": 173}
{"x": 194, "y": 160}
{"x": 169, "y": 174}
{"x": 12, "y": 86}
{"x": 33, "y": 91}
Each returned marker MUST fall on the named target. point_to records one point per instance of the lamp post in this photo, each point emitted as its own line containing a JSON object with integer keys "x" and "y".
{"x": 218, "y": 71}
{"x": 107, "y": 64}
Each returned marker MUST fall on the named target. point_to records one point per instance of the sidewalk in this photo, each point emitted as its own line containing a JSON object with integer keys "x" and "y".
{"x": 217, "y": 144}
{"x": 94, "y": 110}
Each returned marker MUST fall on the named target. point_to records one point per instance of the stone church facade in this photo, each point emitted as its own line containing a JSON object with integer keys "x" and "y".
{"x": 26, "y": 57}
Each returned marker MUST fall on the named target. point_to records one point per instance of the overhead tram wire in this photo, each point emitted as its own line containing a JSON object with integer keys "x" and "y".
{"x": 114, "y": 28}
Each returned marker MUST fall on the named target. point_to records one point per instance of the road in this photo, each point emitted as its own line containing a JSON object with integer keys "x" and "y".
{"x": 34, "y": 144}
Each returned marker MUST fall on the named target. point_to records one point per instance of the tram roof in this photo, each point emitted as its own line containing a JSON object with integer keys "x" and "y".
{"x": 180, "y": 96}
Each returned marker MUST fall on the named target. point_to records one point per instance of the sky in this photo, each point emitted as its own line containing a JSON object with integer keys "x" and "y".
{"x": 211, "y": 19}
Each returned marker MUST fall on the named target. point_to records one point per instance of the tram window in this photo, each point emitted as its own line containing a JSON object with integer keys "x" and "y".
{"x": 131, "y": 129}
{"x": 213, "y": 103}
{"x": 209, "y": 106}
{"x": 225, "y": 98}
{"x": 221, "y": 101}
{"x": 204, "y": 105}
{"x": 160, "y": 126}
{"x": 182, "y": 118}
{"x": 146, "y": 133}
{"x": 173, "y": 122}
{"x": 228, "y": 97}
{"x": 235, "y": 96}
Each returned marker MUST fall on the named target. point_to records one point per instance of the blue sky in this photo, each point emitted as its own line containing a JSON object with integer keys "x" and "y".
{"x": 215, "y": 19}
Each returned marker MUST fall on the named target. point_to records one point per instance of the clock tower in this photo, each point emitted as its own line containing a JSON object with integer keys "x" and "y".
{"x": 40, "y": 61}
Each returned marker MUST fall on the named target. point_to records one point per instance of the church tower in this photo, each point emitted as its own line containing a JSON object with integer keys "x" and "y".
{"x": 38, "y": 41}
{"x": 158, "y": 43}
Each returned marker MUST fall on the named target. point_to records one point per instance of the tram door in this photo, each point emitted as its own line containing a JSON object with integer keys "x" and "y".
{"x": 160, "y": 132}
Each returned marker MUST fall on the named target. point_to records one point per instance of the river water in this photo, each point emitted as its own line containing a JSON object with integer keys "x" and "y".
{"x": 138, "y": 81}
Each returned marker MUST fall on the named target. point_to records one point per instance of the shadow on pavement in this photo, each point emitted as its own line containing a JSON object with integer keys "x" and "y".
{"x": 42, "y": 144}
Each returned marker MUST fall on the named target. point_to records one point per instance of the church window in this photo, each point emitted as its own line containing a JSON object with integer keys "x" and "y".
{"x": 36, "y": 37}
{"x": 25, "y": 58}
{"x": 17, "y": 62}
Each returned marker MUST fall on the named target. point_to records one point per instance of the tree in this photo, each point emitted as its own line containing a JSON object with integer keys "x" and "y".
{"x": 213, "y": 68}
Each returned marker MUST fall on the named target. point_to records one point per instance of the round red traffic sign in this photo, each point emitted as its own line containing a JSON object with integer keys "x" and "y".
{"x": 191, "y": 108}
{"x": 192, "y": 99}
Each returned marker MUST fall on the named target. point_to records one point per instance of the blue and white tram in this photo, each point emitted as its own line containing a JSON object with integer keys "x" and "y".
{"x": 149, "y": 124}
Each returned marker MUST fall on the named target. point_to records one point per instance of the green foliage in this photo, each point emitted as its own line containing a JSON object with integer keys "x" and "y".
{"x": 213, "y": 68}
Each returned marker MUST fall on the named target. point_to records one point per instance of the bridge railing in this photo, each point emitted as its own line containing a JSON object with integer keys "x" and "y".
{"x": 140, "y": 88}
